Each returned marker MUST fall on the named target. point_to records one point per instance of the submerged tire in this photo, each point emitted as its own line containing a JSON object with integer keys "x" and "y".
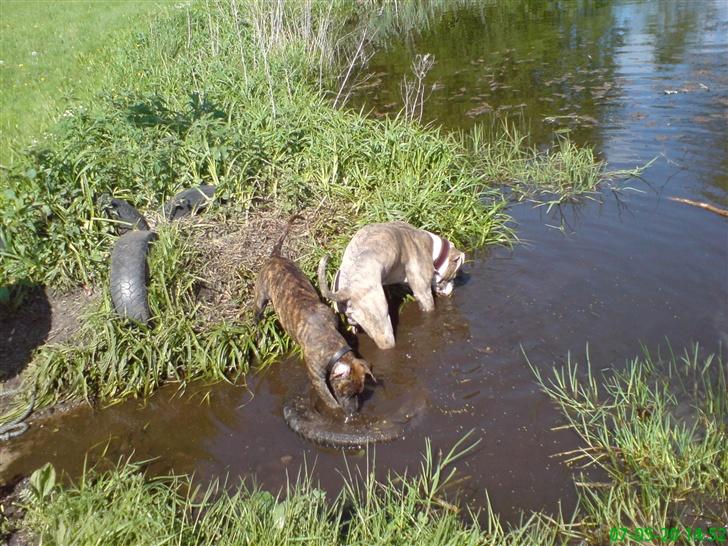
{"x": 128, "y": 217}
{"x": 303, "y": 418}
{"x": 130, "y": 275}
{"x": 189, "y": 202}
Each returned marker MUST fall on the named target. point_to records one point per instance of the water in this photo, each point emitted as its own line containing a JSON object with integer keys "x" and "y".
{"x": 629, "y": 270}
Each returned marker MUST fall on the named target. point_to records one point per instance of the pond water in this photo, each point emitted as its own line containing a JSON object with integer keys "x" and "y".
{"x": 636, "y": 80}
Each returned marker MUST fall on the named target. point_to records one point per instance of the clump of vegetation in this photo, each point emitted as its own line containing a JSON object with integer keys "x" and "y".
{"x": 110, "y": 359}
{"x": 132, "y": 509}
{"x": 562, "y": 173}
{"x": 230, "y": 95}
{"x": 656, "y": 430}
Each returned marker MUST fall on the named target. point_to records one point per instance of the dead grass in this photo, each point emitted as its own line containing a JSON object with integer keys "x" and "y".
{"x": 233, "y": 247}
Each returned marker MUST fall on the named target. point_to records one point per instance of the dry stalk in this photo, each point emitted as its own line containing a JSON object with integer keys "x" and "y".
{"x": 413, "y": 91}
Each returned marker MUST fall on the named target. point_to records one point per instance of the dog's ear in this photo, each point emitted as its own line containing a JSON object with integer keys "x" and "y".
{"x": 340, "y": 370}
{"x": 367, "y": 370}
{"x": 457, "y": 259}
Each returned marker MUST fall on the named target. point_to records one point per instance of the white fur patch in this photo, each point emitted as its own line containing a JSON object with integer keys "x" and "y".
{"x": 340, "y": 370}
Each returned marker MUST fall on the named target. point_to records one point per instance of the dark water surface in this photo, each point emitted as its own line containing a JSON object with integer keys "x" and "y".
{"x": 632, "y": 268}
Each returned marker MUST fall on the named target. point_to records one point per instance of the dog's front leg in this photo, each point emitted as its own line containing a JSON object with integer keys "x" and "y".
{"x": 422, "y": 291}
{"x": 260, "y": 300}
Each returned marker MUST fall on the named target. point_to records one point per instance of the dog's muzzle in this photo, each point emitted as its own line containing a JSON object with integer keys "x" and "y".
{"x": 444, "y": 288}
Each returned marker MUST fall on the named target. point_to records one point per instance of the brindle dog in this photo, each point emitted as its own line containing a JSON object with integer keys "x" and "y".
{"x": 331, "y": 364}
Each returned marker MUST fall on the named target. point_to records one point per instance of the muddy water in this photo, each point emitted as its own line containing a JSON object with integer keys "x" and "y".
{"x": 632, "y": 268}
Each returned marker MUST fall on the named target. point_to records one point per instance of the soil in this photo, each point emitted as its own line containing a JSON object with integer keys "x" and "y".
{"x": 233, "y": 247}
{"x": 43, "y": 317}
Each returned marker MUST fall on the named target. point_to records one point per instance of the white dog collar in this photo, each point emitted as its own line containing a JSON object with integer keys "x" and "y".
{"x": 440, "y": 253}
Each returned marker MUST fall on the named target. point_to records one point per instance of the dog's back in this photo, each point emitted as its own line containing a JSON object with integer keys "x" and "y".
{"x": 289, "y": 290}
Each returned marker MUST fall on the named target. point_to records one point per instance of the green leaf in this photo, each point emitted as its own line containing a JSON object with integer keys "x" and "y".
{"x": 42, "y": 482}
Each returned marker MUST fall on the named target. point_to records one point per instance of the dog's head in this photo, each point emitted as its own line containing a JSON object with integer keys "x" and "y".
{"x": 346, "y": 379}
{"x": 447, "y": 271}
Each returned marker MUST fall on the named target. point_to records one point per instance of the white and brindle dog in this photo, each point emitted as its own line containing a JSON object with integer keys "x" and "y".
{"x": 389, "y": 253}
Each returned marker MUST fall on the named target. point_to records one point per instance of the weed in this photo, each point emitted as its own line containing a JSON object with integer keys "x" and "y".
{"x": 657, "y": 430}
{"x": 563, "y": 173}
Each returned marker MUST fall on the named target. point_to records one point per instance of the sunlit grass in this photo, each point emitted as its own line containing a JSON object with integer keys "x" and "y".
{"x": 132, "y": 509}
{"x": 658, "y": 431}
{"x": 564, "y": 172}
{"x": 51, "y": 54}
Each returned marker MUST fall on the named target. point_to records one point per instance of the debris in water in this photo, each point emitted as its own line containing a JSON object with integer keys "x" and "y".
{"x": 479, "y": 110}
{"x": 700, "y": 204}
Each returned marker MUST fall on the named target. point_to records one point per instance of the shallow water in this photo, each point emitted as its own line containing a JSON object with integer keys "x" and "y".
{"x": 631, "y": 269}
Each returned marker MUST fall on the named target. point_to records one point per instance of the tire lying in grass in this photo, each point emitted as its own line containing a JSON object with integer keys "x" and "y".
{"x": 130, "y": 275}
{"x": 126, "y": 215}
{"x": 304, "y": 419}
{"x": 189, "y": 202}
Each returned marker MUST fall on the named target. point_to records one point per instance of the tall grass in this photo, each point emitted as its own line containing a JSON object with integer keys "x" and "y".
{"x": 230, "y": 94}
{"x": 132, "y": 509}
{"x": 564, "y": 172}
{"x": 658, "y": 431}
{"x": 111, "y": 359}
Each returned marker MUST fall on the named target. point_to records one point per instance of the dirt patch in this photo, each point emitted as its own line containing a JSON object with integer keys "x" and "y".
{"x": 43, "y": 317}
{"x": 232, "y": 251}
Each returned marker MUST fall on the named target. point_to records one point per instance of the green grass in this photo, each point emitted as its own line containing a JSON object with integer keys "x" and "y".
{"x": 238, "y": 95}
{"x": 562, "y": 173}
{"x": 111, "y": 359}
{"x": 205, "y": 97}
{"x": 215, "y": 94}
{"x": 656, "y": 430}
{"x": 132, "y": 509}
{"x": 52, "y": 54}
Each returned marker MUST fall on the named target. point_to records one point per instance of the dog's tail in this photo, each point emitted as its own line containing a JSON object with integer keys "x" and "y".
{"x": 338, "y": 296}
{"x": 277, "y": 247}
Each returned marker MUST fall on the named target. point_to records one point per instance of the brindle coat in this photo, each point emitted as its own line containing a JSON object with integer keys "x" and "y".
{"x": 390, "y": 253}
{"x": 313, "y": 325}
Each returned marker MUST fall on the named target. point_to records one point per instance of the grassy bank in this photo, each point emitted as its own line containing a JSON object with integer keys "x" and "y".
{"x": 657, "y": 430}
{"x": 233, "y": 95}
{"x": 52, "y": 55}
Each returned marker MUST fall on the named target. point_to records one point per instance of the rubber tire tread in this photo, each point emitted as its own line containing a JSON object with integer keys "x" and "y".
{"x": 310, "y": 425}
{"x": 129, "y": 275}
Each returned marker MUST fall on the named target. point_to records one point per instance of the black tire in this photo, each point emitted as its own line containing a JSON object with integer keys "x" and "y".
{"x": 130, "y": 275}
{"x": 309, "y": 423}
{"x": 129, "y": 218}
{"x": 189, "y": 202}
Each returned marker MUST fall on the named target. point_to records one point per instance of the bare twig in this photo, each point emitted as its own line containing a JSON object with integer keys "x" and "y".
{"x": 702, "y": 205}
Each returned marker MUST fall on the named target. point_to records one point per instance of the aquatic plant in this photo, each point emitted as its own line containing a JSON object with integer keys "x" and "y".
{"x": 563, "y": 172}
{"x": 657, "y": 431}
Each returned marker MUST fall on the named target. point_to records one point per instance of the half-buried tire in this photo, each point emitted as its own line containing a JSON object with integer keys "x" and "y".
{"x": 128, "y": 217}
{"x": 130, "y": 275}
{"x": 189, "y": 202}
{"x": 304, "y": 419}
